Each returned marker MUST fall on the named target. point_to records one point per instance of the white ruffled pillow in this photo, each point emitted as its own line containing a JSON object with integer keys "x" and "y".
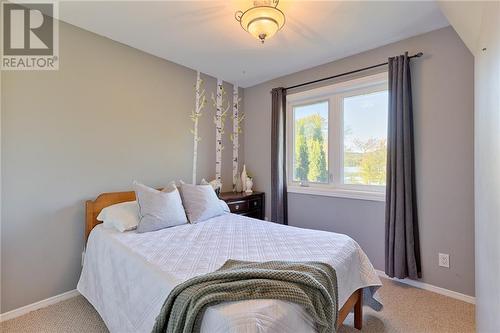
{"x": 122, "y": 217}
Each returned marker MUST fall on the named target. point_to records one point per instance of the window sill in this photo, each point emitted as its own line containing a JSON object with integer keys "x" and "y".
{"x": 338, "y": 193}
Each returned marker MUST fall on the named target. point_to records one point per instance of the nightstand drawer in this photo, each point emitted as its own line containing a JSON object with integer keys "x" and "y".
{"x": 238, "y": 206}
{"x": 256, "y": 214}
{"x": 247, "y": 204}
{"x": 255, "y": 203}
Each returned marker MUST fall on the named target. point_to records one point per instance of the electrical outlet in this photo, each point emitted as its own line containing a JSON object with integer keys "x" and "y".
{"x": 444, "y": 260}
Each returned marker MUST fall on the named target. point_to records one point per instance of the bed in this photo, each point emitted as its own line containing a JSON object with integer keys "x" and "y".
{"x": 127, "y": 276}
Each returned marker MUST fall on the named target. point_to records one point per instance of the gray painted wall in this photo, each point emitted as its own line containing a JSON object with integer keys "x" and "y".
{"x": 487, "y": 176}
{"x": 443, "y": 87}
{"x": 110, "y": 115}
{"x": 478, "y": 24}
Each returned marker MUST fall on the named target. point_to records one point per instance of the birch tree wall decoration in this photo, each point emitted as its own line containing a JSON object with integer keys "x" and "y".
{"x": 219, "y": 119}
{"x": 200, "y": 101}
{"x": 237, "y": 119}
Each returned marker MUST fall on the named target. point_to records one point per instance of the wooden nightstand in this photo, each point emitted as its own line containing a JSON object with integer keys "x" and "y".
{"x": 248, "y": 204}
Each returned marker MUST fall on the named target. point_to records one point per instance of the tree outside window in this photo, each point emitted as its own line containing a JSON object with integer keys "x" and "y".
{"x": 311, "y": 143}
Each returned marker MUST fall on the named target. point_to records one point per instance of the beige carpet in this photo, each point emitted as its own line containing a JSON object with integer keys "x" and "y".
{"x": 406, "y": 309}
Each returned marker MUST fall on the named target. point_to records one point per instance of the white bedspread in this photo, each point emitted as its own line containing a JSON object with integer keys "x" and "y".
{"x": 127, "y": 276}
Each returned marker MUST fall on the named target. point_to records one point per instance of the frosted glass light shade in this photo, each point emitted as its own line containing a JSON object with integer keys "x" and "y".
{"x": 262, "y": 22}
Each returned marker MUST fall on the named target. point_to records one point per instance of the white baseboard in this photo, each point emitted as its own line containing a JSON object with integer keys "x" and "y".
{"x": 38, "y": 305}
{"x": 430, "y": 287}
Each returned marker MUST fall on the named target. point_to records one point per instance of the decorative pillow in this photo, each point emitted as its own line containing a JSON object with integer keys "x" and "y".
{"x": 123, "y": 216}
{"x": 170, "y": 187}
{"x": 158, "y": 209}
{"x": 215, "y": 185}
{"x": 224, "y": 206}
{"x": 201, "y": 202}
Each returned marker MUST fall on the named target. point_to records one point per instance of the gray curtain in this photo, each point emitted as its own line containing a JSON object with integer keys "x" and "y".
{"x": 402, "y": 248}
{"x": 278, "y": 163}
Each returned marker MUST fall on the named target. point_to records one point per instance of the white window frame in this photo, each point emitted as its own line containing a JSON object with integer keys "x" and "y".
{"x": 334, "y": 94}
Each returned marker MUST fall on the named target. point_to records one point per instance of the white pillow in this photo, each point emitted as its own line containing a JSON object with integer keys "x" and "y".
{"x": 224, "y": 206}
{"x": 158, "y": 209}
{"x": 222, "y": 203}
{"x": 201, "y": 202}
{"x": 123, "y": 216}
{"x": 175, "y": 184}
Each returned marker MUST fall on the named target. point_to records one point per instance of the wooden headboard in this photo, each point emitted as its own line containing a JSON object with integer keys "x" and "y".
{"x": 94, "y": 207}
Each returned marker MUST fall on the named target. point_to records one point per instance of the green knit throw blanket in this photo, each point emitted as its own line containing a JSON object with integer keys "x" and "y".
{"x": 313, "y": 285}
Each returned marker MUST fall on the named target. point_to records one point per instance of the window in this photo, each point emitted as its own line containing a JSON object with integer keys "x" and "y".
{"x": 365, "y": 138}
{"x": 311, "y": 142}
{"x": 337, "y": 139}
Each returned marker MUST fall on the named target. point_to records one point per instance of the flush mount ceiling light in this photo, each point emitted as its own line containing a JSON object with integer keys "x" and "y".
{"x": 263, "y": 20}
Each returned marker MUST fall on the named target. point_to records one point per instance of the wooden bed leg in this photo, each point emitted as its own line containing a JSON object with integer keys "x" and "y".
{"x": 358, "y": 311}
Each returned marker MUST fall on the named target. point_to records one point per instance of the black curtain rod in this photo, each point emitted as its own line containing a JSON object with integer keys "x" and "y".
{"x": 418, "y": 55}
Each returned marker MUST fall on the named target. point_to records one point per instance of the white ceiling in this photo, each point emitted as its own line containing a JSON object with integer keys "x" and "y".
{"x": 203, "y": 35}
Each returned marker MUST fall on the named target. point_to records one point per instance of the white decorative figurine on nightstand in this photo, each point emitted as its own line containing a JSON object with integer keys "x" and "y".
{"x": 244, "y": 178}
{"x": 249, "y": 185}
